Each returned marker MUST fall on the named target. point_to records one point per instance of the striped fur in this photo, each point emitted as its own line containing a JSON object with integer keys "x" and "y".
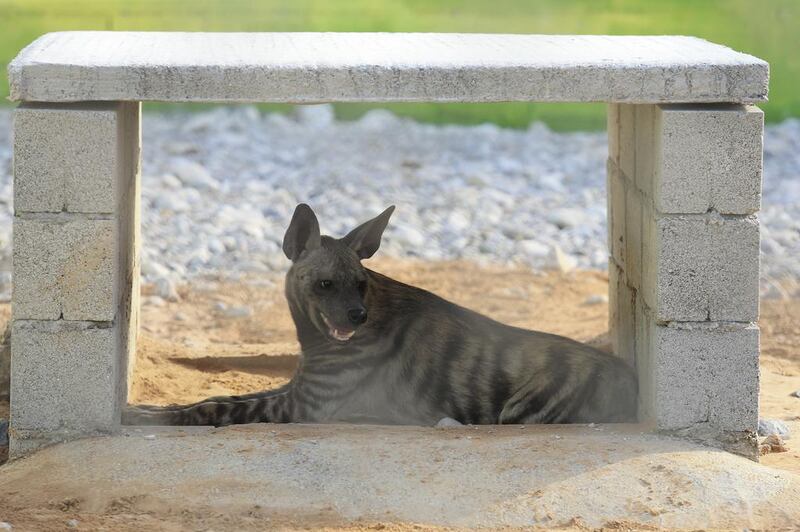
{"x": 417, "y": 359}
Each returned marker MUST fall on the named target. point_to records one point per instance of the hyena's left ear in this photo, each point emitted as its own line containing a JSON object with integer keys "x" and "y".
{"x": 366, "y": 238}
{"x": 302, "y": 234}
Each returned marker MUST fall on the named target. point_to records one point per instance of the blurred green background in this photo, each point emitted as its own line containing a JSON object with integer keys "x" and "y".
{"x": 768, "y": 29}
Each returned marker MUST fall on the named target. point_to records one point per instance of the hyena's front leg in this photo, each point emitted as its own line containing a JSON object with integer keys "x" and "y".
{"x": 274, "y": 406}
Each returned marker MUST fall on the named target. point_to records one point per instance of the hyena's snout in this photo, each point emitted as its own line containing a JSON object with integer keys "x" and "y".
{"x": 357, "y": 316}
{"x": 344, "y": 326}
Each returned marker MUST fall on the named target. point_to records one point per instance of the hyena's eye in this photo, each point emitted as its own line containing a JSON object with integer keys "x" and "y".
{"x": 325, "y": 284}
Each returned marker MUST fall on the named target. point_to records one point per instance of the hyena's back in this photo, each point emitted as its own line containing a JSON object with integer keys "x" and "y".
{"x": 476, "y": 370}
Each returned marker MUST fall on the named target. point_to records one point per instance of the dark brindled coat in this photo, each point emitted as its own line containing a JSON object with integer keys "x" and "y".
{"x": 375, "y": 350}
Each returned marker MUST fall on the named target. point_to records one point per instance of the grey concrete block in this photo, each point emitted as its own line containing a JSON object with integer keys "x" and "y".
{"x": 645, "y": 149}
{"x": 633, "y": 235}
{"x": 318, "y": 67}
{"x": 705, "y": 373}
{"x": 700, "y": 267}
{"x": 627, "y": 141}
{"x": 66, "y": 376}
{"x": 708, "y": 157}
{"x": 622, "y": 315}
{"x": 64, "y": 268}
{"x": 615, "y": 197}
{"x": 5, "y": 363}
{"x": 612, "y": 131}
{"x": 67, "y": 157}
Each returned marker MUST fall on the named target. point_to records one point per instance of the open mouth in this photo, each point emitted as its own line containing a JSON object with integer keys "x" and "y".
{"x": 341, "y": 335}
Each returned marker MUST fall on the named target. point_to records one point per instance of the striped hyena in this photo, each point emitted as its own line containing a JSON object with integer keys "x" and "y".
{"x": 375, "y": 350}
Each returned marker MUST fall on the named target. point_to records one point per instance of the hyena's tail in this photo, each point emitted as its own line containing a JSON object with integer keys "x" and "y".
{"x": 262, "y": 407}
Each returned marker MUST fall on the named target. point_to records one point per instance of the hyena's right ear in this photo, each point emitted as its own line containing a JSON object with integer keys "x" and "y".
{"x": 303, "y": 233}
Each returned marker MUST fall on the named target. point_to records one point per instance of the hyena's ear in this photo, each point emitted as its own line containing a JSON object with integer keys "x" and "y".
{"x": 303, "y": 232}
{"x": 366, "y": 238}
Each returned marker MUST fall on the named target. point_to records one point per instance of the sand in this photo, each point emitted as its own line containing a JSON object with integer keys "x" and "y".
{"x": 190, "y": 349}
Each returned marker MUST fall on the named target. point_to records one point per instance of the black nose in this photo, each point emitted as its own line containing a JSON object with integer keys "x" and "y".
{"x": 357, "y": 315}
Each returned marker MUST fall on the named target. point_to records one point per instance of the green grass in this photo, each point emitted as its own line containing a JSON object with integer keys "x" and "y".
{"x": 767, "y": 29}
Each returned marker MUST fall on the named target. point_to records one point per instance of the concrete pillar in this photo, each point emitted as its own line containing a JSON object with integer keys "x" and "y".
{"x": 76, "y": 268}
{"x": 684, "y": 186}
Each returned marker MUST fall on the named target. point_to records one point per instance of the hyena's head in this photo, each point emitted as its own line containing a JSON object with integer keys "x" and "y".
{"x": 327, "y": 283}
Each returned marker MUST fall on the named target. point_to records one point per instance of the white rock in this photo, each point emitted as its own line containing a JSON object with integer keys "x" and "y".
{"x": 169, "y": 180}
{"x": 533, "y": 249}
{"x": 596, "y": 299}
{"x": 410, "y": 236}
{"x": 165, "y": 289}
{"x": 773, "y": 426}
{"x": 5, "y": 526}
{"x": 153, "y": 301}
{"x": 566, "y": 218}
{"x": 448, "y": 422}
{"x": 193, "y": 174}
{"x": 237, "y": 312}
{"x": 561, "y": 261}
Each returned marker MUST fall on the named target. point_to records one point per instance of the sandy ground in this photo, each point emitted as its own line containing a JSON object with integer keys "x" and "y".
{"x": 191, "y": 349}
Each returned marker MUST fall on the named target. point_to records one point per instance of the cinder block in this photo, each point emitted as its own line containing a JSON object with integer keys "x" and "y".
{"x": 5, "y": 363}
{"x": 67, "y": 157}
{"x": 627, "y": 140}
{"x": 615, "y": 197}
{"x": 701, "y": 267}
{"x": 708, "y": 157}
{"x": 64, "y": 268}
{"x": 65, "y": 376}
{"x": 645, "y": 149}
{"x": 704, "y": 373}
{"x": 612, "y": 129}
{"x": 633, "y": 236}
{"x": 622, "y": 315}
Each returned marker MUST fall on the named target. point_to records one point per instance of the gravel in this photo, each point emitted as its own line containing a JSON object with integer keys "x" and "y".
{"x": 767, "y": 427}
{"x": 219, "y": 188}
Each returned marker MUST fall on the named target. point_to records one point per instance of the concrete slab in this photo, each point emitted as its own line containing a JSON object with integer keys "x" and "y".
{"x": 486, "y": 476}
{"x": 382, "y": 67}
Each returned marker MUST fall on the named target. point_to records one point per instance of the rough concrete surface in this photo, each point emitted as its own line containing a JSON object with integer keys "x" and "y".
{"x": 64, "y": 376}
{"x": 487, "y": 476}
{"x": 64, "y": 268}
{"x": 700, "y": 267}
{"x": 705, "y": 373}
{"x": 316, "y": 67}
{"x": 65, "y": 158}
{"x": 708, "y": 158}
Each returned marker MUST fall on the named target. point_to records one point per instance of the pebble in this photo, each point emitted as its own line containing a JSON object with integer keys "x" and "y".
{"x": 150, "y": 437}
{"x": 153, "y": 301}
{"x": 165, "y": 289}
{"x": 73, "y": 523}
{"x": 795, "y": 393}
{"x": 237, "y": 312}
{"x": 219, "y": 188}
{"x": 767, "y": 427}
{"x": 562, "y": 261}
{"x": 193, "y": 174}
{"x": 596, "y": 299}
{"x": 5, "y": 526}
{"x": 448, "y": 422}
{"x": 772, "y": 444}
